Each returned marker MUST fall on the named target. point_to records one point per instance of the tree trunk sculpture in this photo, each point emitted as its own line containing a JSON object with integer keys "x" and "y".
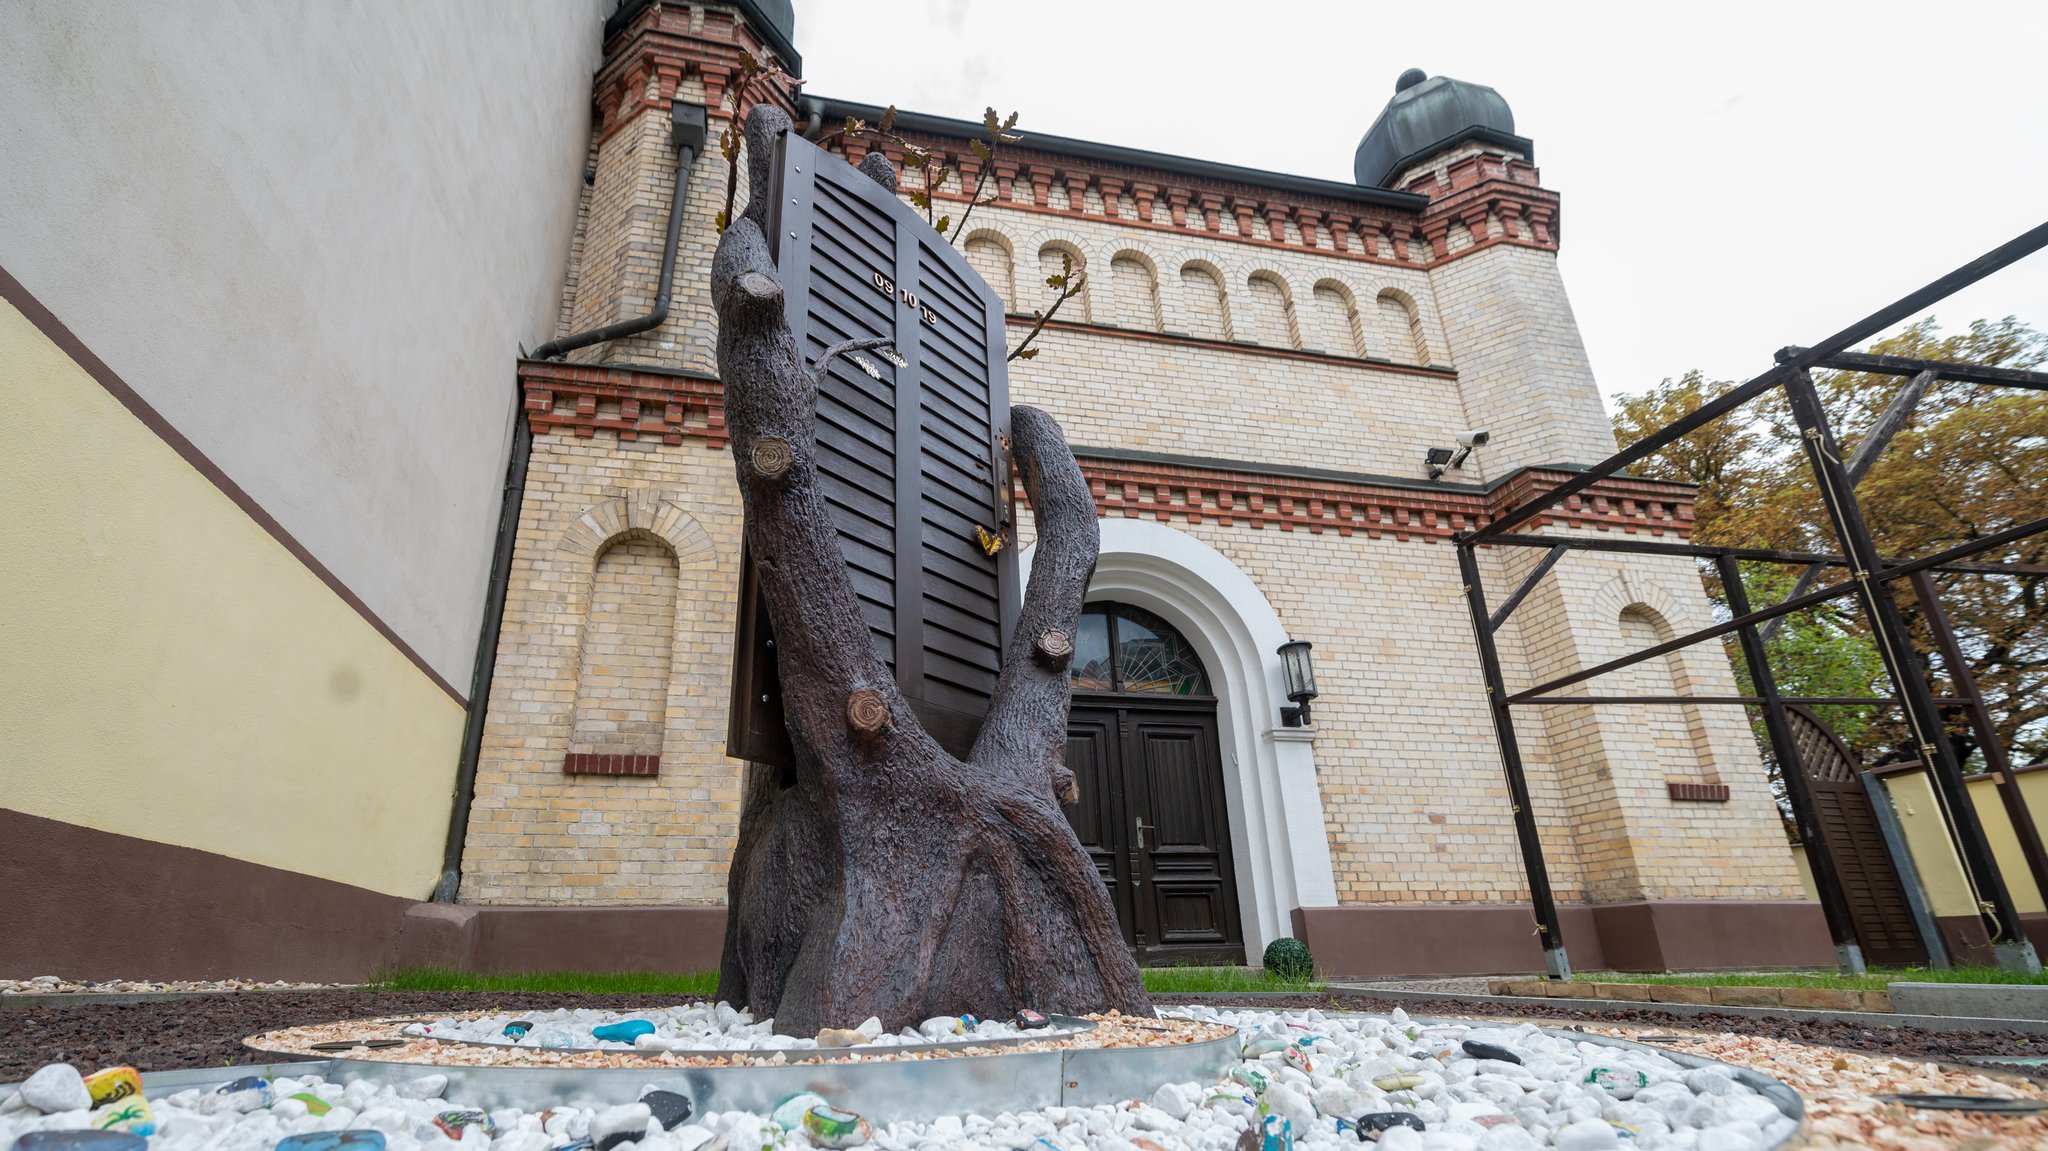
{"x": 890, "y": 878}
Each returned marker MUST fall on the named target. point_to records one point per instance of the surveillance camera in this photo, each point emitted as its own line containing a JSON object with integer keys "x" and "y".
{"x": 1473, "y": 439}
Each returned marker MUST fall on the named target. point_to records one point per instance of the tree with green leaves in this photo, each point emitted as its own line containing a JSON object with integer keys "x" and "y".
{"x": 1969, "y": 461}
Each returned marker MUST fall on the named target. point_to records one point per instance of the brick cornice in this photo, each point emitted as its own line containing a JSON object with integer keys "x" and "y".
{"x": 636, "y": 403}
{"x": 1262, "y": 208}
{"x": 1482, "y": 184}
{"x": 1195, "y": 493}
{"x": 647, "y": 60}
{"x": 631, "y": 403}
{"x": 1486, "y": 187}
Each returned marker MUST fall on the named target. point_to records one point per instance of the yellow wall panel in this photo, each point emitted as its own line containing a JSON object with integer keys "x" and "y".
{"x": 169, "y": 671}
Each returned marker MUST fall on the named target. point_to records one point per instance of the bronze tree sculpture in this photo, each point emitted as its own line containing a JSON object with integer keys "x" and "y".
{"x": 889, "y": 878}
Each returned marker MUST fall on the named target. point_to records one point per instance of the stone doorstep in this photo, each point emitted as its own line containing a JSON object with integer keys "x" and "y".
{"x": 1808, "y": 998}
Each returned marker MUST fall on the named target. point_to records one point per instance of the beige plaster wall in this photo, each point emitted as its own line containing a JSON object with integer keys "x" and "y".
{"x": 169, "y": 671}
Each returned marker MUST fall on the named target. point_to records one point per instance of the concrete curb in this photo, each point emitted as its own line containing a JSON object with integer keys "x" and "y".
{"x": 33, "y": 1001}
{"x": 1871, "y": 1019}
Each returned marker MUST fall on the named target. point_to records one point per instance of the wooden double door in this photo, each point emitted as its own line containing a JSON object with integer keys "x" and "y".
{"x": 1152, "y": 814}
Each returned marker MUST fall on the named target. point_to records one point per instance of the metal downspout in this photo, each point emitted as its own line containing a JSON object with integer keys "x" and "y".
{"x": 688, "y": 126}
{"x": 486, "y": 658}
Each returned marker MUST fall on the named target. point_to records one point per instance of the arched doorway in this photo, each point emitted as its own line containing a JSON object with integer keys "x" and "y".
{"x": 1142, "y": 743}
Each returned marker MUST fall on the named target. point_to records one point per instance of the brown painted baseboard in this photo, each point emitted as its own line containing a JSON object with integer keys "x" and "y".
{"x": 1384, "y": 939}
{"x": 87, "y": 904}
{"x": 1370, "y": 940}
{"x": 606, "y": 939}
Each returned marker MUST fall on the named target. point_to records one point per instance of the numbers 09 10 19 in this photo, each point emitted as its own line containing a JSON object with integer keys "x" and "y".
{"x": 889, "y": 288}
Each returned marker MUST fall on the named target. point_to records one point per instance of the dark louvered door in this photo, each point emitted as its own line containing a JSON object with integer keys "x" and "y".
{"x": 910, "y": 449}
{"x": 1093, "y": 755}
{"x": 1870, "y": 881}
{"x": 1152, "y": 815}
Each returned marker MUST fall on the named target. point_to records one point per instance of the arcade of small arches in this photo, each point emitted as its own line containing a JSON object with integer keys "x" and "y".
{"x": 1188, "y": 293}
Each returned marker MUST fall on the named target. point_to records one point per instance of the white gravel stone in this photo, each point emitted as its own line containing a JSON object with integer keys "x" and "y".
{"x": 57, "y": 1087}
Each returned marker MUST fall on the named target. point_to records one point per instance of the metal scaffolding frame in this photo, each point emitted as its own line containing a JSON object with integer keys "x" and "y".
{"x": 1870, "y": 580}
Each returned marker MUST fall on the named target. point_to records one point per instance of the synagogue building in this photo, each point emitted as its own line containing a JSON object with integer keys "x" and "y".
{"x": 510, "y": 749}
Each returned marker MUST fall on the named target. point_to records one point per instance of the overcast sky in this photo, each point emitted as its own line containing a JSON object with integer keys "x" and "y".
{"x": 1736, "y": 176}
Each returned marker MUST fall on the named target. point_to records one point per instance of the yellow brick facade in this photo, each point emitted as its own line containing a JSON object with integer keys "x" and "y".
{"x": 1214, "y": 346}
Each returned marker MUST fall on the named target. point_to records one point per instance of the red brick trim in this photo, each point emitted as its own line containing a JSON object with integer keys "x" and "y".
{"x": 1170, "y": 491}
{"x": 587, "y": 763}
{"x": 1697, "y": 792}
{"x": 645, "y": 64}
{"x": 582, "y": 400}
{"x": 1478, "y": 185}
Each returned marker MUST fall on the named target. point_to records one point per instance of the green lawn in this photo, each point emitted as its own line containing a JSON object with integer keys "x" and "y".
{"x": 1220, "y": 980}
{"x": 691, "y": 985}
{"x": 699, "y": 985}
{"x": 1876, "y": 980}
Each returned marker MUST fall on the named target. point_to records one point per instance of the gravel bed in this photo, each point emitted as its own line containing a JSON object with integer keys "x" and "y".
{"x": 704, "y": 1027}
{"x": 171, "y": 1034}
{"x": 56, "y": 985}
{"x": 1306, "y": 1080}
{"x": 1903, "y": 1042}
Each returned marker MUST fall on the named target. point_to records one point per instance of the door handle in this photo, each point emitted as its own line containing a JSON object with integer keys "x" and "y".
{"x": 1142, "y": 828}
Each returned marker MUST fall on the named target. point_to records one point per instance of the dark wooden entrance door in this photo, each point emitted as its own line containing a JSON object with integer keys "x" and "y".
{"x": 1870, "y": 880}
{"x": 1151, "y": 809}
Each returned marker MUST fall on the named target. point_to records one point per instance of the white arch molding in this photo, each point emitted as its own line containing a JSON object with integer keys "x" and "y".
{"x": 1277, "y": 837}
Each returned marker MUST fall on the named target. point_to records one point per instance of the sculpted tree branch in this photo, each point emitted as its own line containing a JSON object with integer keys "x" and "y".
{"x": 883, "y": 876}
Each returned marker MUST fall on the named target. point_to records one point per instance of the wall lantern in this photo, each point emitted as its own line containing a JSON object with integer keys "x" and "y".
{"x": 1300, "y": 677}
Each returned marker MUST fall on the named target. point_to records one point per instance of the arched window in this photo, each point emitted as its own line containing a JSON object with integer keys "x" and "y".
{"x": 1049, "y": 265}
{"x": 1122, "y": 648}
{"x": 1271, "y": 318}
{"x": 1333, "y": 325}
{"x": 989, "y": 254}
{"x": 623, "y": 679}
{"x": 1208, "y": 316}
{"x": 1401, "y": 327}
{"x": 1674, "y": 735}
{"x": 1134, "y": 293}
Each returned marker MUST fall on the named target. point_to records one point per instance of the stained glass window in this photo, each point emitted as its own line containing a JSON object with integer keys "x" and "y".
{"x": 1128, "y": 649}
{"x": 1090, "y": 670}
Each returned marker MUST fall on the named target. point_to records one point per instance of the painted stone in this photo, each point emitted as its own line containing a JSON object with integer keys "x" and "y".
{"x": 245, "y": 1083}
{"x": 113, "y": 1083}
{"x": 517, "y": 1028}
{"x": 357, "y": 1140}
{"x": 1488, "y": 1051}
{"x": 132, "y": 1115}
{"x": 1297, "y": 1057}
{"x": 1370, "y": 1125}
{"x": 1266, "y": 1045}
{"x": 668, "y": 1107}
{"x": 1028, "y": 1020}
{"x": 941, "y": 1025}
{"x": 1250, "y": 1076}
{"x": 1620, "y": 1084}
{"x": 830, "y": 1127}
{"x": 451, "y": 1123}
{"x": 314, "y": 1104}
{"x": 80, "y": 1141}
{"x": 1398, "y": 1082}
{"x": 789, "y": 1114}
{"x": 1276, "y": 1134}
{"x": 623, "y": 1032}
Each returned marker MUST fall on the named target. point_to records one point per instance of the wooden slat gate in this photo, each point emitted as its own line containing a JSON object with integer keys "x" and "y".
{"x": 1870, "y": 881}
{"x": 912, "y": 449}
